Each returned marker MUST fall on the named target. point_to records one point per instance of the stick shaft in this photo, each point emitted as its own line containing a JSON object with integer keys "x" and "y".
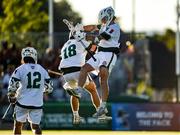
{"x": 88, "y": 50}
{"x": 6, "y": 112}
{"x": 54, "y": 72}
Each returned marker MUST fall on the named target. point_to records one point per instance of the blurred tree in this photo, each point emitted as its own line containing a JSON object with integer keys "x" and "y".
{"x": 23, "y": 16}
{"x": 1, "y": 13}
{"x": 162, "y": 48}
{"x": 21, "y": 20}
{"x": 63, "y": 10}
{"x": 168, "y": 38}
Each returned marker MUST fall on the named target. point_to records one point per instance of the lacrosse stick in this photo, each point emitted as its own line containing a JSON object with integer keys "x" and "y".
{"x": 90, "y": 53}
{"x": 7, "y": 110}
{"x": 54, "y": 72}
{"x": 71, "y": 28}
{"x": 69, "y": 24}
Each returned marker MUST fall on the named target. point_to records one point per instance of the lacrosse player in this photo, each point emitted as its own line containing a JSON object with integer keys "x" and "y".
{"x": 106, "y": 56}
{"x": 73, "y": 56}
{"x": 26, "y": 87}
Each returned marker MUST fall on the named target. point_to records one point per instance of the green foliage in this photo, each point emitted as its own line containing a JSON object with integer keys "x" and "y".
{"x": 22, "y": 19}
{"x": 23, "y": 16}
{"x": 168, "y": 38}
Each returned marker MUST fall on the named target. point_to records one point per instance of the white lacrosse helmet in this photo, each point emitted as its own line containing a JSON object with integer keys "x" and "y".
{"x": 107, "y": 14}
{"x": 29, "y": 52}
{"x": 78, "y": 32}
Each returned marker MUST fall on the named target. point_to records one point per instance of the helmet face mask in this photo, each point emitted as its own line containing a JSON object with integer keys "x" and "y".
{"x": 29, "y": 52}
{"x": 106, "y": 15}
{"x": 78, "y": 32}
{"x": 104, "y": 20}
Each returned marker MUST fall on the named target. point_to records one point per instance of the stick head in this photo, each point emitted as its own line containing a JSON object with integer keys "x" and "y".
{"x": 69, "y": 24}
{"x": 76, "y": 31}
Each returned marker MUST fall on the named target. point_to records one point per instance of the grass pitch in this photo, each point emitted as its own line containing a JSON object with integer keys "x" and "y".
{"x": 75, "y": 132}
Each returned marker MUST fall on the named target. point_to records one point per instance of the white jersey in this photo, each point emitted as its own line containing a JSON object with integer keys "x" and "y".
{"x": 32, "y": 79}
{"x": 114, "y": 31}
{"x": 73, "y": 53}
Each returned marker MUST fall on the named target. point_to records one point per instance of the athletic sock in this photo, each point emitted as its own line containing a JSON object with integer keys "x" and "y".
{"x": 76, "y": 113}
{"x": 103, "y": 104}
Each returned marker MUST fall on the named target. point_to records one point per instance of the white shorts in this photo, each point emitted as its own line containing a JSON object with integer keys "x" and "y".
{"x": 107, "y": 59}
{"x": 32, "y": 115}
{"x": 72, "y": 80}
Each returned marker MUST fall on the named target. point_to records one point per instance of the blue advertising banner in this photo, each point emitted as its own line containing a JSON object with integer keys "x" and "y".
{"x": 148, "y": 116}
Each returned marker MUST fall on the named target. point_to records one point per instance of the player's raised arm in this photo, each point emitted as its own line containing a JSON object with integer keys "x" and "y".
{"x": 90, "y": 28}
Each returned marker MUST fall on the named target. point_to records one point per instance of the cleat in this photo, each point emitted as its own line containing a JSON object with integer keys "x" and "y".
{"x": 104, "y": 119}
{"x": 100, "y": 112}
{"x": 77, "y": 120}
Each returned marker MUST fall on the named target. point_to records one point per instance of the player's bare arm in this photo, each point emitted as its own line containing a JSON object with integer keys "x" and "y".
{"x": 90, "y": 28}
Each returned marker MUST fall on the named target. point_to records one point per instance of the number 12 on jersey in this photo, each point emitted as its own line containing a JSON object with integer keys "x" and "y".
{"x": 33, "y": 80}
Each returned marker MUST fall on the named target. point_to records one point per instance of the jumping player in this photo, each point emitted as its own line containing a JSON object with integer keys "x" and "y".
{"x": 106, "y": 56}
{"x": 73, "y": 56}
